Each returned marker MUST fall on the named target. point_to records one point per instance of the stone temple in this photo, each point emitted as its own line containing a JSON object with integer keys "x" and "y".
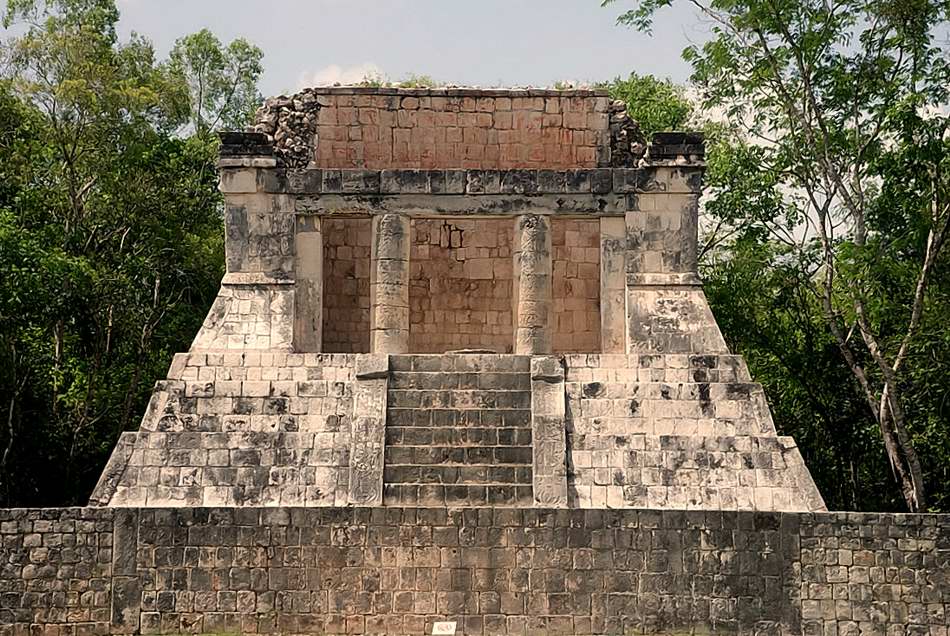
{"x": 461, "y": 378}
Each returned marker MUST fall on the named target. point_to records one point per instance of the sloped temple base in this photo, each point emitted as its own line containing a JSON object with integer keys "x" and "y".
{"x": 686, "y": 432}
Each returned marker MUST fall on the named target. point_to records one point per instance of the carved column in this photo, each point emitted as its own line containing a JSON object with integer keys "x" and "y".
{"x": 308, "y": 306}
{"x": 548, "y": 432}
{"x": 389, "y": 284}
{"x": 368, "y": 432}
{"x": 533, "y": 303}
{"x": 613, "y": 292}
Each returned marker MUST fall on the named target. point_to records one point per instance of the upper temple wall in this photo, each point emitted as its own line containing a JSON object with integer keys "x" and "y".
{"x": 498, "y": 129}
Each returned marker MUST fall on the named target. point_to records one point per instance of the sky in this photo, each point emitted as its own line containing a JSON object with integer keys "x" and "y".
{"x": 468, "y": 42}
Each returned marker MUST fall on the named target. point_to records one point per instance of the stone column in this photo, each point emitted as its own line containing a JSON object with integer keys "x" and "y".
{"x": 255, "y": 306}
{"x": 668, "y": 312}
{"x": 389, "y": 284}
{"x": 308, "y": 306}
{"x": 613, "y": 292}
{"x": 533, "y": 292}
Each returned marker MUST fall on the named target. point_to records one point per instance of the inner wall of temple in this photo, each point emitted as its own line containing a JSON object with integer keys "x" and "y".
{"x": 346, "y": 293}
{"x": 575, "y": 245}
{"x": 461, "y": 287}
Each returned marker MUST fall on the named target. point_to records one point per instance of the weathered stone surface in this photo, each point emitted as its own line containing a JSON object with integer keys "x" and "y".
{"x": 556, "y": 254}
{"x": 613, "y": 305}
{"x": 493, "y": 571}
{"x": 390, "y": 284}
{"x": 533, "y": 272}
{"x": 368, "y": 438}
{"x": 549, "y": 437}
{"x": 459, "y": 431}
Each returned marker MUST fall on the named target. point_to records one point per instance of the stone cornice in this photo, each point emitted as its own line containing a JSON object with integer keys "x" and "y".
{"x": 667, "y": 178}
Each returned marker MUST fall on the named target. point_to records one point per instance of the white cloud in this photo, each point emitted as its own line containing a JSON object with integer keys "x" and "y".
{"x": 336, "y": 74}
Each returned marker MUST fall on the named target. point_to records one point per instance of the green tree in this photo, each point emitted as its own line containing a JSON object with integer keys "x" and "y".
{"x": 222, "y": 80}
{"x": 653, "y": 103}
{"x": 843, "y": 103}
{"x": 103, "y": 282}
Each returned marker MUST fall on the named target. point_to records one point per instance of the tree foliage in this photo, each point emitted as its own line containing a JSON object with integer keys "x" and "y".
{"x": 222, "y": 80}
{"x": 837, "y": 115}
{"x": 103, "y": 281}
{"x": 653, "y": 103}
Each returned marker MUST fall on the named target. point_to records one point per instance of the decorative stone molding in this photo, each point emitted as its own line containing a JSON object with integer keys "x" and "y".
{"x": 549, "y": 438}
{"x": 368, "y": 438}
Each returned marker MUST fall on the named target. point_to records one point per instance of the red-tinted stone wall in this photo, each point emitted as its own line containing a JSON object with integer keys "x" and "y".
{"x": 473, "y": 129}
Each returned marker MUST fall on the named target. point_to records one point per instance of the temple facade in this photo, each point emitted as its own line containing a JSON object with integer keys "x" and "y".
{"x": 459, "y": 298}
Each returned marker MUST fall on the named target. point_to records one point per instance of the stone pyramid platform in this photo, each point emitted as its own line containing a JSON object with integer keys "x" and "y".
{"x": 321, "y": 378}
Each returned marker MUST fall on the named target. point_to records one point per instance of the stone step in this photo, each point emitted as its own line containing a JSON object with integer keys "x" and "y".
{"x": 458, "y": 418}
{"x": 462, "y": 362}
{"x": 442, "y": 380}
{"x": 457, "y": 495}
{"x": 471, "y": 474}
{"x": 458, "y": 399}
{"x": 429, "y": 455}
{"x": 480, "y": 436}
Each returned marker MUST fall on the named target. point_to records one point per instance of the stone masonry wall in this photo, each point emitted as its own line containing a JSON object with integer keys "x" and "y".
{"x": 346, "y": 285}
{"x": 680, "y": 431}
{"x": 462, "y": 129}
{"x": 254, "y": 429}
{"x": 576, "y": 254}
{"x": 398, "y": 571}
{"x": 460, "y": 285}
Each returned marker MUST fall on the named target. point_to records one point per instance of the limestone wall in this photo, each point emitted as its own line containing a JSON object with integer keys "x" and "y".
{"x": 460, "y": 294}
{"x": 678, "y": 431}
{"x": 238, "y": 429}
{"x": 397, "y": 571}
{"x": 380, "y": 129}
{"x": 576, "y": 260}
{"x": 346, "y": 285}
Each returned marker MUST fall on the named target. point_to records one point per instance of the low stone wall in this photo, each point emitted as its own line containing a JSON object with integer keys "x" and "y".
{"x": 492, "y": 571}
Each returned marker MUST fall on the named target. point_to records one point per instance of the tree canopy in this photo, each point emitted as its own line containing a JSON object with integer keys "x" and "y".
{"x": 835, "y": 180}
{"x": 102, "y": 282}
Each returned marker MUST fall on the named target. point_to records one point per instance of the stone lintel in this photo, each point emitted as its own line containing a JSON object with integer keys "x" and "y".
{"x": 230, "y": 163}
{"x": 449, "y": 206}
{"x": 253, "y": 279}
{"x": 669, "y": 279}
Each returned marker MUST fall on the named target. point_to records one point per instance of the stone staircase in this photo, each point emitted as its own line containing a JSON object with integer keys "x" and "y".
{"x": 458, "y": 431}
